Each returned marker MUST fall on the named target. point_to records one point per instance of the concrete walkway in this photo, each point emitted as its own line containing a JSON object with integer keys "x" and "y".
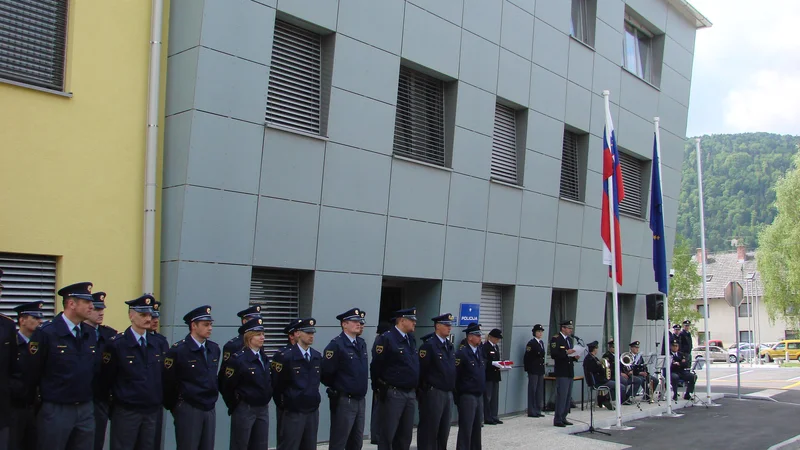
{"x": 520, "y": 431}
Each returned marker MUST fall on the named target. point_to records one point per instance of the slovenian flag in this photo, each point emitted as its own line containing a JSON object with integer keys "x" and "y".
{"x": 612, "y": 171}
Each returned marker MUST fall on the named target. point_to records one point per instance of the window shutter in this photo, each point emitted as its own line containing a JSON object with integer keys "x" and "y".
{"x": 27, "y": 278}
{"x": 570, "y": 182}
{"x": 419, "y": 124}
{"x": 33, "y": 42}
{"x": 491, "y": 314}
{"x": 504, "y": 145}
{"x": 632, "y": 182}
{"x": 295, "y": 88}
{"x": 278, "y": 294}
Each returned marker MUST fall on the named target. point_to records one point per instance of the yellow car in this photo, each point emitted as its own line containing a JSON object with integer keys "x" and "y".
{"x": 778, "y": 351}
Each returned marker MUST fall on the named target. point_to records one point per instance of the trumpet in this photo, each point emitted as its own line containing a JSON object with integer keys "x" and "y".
{"x": 626, "y": 359}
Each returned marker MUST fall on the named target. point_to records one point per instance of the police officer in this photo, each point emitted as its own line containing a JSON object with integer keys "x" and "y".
{"x": 248, "y": 389}
{"x": 132, "y": 369}
{"x": 23, "y": 398}
{"x": 679, "y": 370}
{"x": 395, "y": 376}
{"x": 673, "y": 337}
{"x": 345, "y": 370}
{"x": 190, "y": 382}
{"x": 470, "y": 386}
{"x": 629, "y": 384}
{"x": 561, "y": 350}
{"x": 437, "y": 375}
{"x": 296, "y": 378}
{"x": 535, "y": 351}
{"x": 61, "y": 363}
{"x": 103, "y": 334}
{"x": 155, "y": 318}
{"x": 374, "y": 423}
{"x": 491, "y": 353}
{"x": 685, "y": 338}
{"x": 288, "y": 330}
{"x": 235, "y": 344}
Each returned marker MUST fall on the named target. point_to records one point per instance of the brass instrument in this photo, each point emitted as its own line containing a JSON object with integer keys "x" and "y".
{"x": 607, "y": 366}
{"x": 626, "y": 360}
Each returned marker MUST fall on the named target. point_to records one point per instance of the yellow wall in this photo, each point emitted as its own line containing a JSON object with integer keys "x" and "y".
{"x": 72, "y": 169}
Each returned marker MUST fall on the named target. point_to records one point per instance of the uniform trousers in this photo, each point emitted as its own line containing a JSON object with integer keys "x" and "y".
{"x": 22, "y": 433}
{"x": 278, "y": 424}
{"x": 159, "y": 428}
{"x": 470, "y": 420}
{"x": 347, "y": 424}
{"x": 195, "y": 428}
{"x": 100, "y": 423}
{"x": 490, "y": 402}
{"x": 250, "y": 427}
{"x": 299, "y": 430}
{"x": 434, "y": 419}
{"x": 397, "y": 419}
{"x": 535, "y": 394}
{"x": 563, "y": 398}
{"x": 374, "y": 421}
{"x": 686, "y": 376}
{"x": 132, "y": 429}
{"x": 66, "y": 426}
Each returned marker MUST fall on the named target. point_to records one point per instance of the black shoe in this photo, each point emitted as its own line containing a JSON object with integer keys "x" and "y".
{"x": 687, "y": 397}
{"x": 608, "y": 405}
{"x": 675, "y": 398}
{"x": 498, "y": 422}
{"x": 489, "y": 423}
{"x": 540, "y": 415}
{"x": 560, "y": 425}
{"x": 567, "y": 422}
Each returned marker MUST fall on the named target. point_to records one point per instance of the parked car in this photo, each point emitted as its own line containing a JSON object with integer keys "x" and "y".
{"x": 715, "y": 353}
{"x": 779, "y": 350}
{"x": 746, "y": 352}
{"x": 715, "y": 343}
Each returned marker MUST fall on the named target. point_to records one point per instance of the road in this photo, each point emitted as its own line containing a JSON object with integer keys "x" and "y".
{"x": 768, "y": 376}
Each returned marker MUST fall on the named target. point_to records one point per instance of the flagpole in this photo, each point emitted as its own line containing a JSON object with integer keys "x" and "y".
{"x": 703, "y": 266}
{"x": 617, "y": 343}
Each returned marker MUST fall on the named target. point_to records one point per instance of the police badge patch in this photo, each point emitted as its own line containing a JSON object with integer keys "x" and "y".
{"x": 528, "y": 348}
{"x": 226, "y": 355}
{"x": 379, "y": 349}
{"x": 328, "y": 354}
{"x": 552, "y": 345}
{"x": 422, "y": 353}
{"x": 33, "y": 347}
{"x": 458, "y": 362}
{"x": 278, "y": 367}
{"x": 106, "y": 357}
{"x": 229, "y": 372}
{"x": 168, "y": 363}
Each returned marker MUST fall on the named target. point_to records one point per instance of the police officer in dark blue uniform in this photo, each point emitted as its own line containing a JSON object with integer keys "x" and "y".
{"x": 685, "y": 338}
{"x": 288, "y": 330}
{"x": 24, "y": 399}
{"x": 235, "y": 343}
{"x": 62, "y": 363}
{"x": 561, "y": 350}
{"x": 345, "y": 370}
{"x": 470, "y": 386}
{"x": 103, "y": 334}
{"x": 248, "y": 389}
{"x": 535, "y": 352}
{"x": 295, "y": 379}
{"x": 395, "y": 377}
{"x": 155, "y": 318}
{"x": 131, "y": 372}
{"x": 437, "y": 381}
{"x": 190, "y": 382}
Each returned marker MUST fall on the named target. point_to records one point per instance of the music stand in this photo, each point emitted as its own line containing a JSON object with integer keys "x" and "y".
{"x": 592, "y": 400}
{"x": 698, "y": 364}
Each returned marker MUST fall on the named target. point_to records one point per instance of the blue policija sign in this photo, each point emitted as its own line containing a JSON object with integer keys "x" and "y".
{"x": 469, "y": 312}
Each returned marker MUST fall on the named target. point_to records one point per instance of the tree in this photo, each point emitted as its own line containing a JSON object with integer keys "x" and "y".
{"x": 684, "y": 285}
{"x": 779, "y": 250}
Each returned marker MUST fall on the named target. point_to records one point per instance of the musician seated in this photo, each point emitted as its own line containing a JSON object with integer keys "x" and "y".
{"x": 679, "y": 370}
{"x": 641, "y": 371}
{"x": 596, "y": 375}
{"x": 629, "y": 384}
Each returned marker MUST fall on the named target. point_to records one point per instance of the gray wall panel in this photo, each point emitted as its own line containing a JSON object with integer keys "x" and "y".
{"x": 542, "y": 173}
{"x": 172, "y": 222}
{"x": 556, "y": 14}
{"x": 185, "y": 21}
{"x": 239, "y": 27}
{"x": 679, "y": 28}
{"x": 593, "y": 273}
{"x": 181, "y": 81}
{"x": 475, "y": 108}
{"x": 514, "y": 79}
{"x": 581, "y": 64}
{"x": 598, "y": 120}
{"x": 677, "y": 57}
{"x": 450, "y": 10}
{"x": 632, "y": 227}
{"x": 517, "y": 30}
{"x": 564, "y": 266}
{"x": 630, "y": 265}
{"x": 414, "y": 249}
{"x": 361, "y": 122}
{"x": 366, "y": 70}
{"x": 673, "y": 116}
{"x": 545, "y": 134}
{"x": 318, "y": 12}
{"x": 675, "y": 86}
{"x": 335, "y": 293}
{"x": 292, "y": 166}
{"x": 505, "y": 206}
{"x": 548, "y": 92}
{"x": 606, "y": 75}
{"x": 224, "y": 287}
{"x": 456, "y": 292}
{"x": 500, "y": 262}
{"x": 538, "y": 212}
{"x": 418, "y": 192}
{"x": 463, "y": 254}
{"x": 468, "y": 203}
{"x": 635, "y": 135}
{"x": 419, "y": 30}
{"x": 570, "y": 223}
{"x": 356, "y": 179}
{"x": 536, "y": 262}
{"x": 377, "y": 23}
{"x": 608, "y": 40}
{"x": 479, "y": 63}
{"x": 472, "y": 153}
{"x": 286, "y": 234}
{"x": 579, "y": 107}
{"x": 177, "y": 138}
{"x": 551, "y": 48}
{"x": 654, "y": 11}
{"x": 591, "y": 223}
{"x": 531, "y": 306}
{"x": 350, "y": 241}
{"x": 483, "y": 17}
{"x": 637, "y": 96}
{"x": 612, "y": 12}
{"x": 231, "y": 86}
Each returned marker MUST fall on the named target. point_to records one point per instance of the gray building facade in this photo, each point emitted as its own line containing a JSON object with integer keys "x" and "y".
{"x": 324, "y": 154}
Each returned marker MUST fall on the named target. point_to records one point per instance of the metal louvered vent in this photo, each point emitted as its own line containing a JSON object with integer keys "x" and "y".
{"x": 491, "y": 309}
{"x": 294, "y": 98}
{"x": 27, "y": 278}
{"x": 419, "y": 124}
{"x": 278, "y": 293}
{"x": 632, "y": 169}
{"x": 570, "y": 181}
{"x": 504, "y": 144}
{"x": 33, "y": 42}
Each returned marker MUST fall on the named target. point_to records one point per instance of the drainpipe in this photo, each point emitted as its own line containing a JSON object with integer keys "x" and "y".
{"x": 151, "y": 149}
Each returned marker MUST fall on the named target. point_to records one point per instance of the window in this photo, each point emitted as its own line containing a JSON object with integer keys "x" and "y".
{"x": 701, "y": 309}
{"x": 642, "y": 49}
{"x": 745, "y": 310}
{"x": 633, "y": 170}
{"x": 781, "y": 346}
{"x": 278, "y": 293}
{"x": 583, "y": 18}
{"x": 33, "y": 39}
{"x": 491, "y": 314}
{"x": 701, "y": 337}
{"x": 793, "y": 345}
{"x": 28, "y": 278}
{"x": 505, "y": 150}
{"x": 295, "y": 97}
{"x": 573, "y": 163}
{"x": 745, "y": 336}
{"x": 419, "y": 124}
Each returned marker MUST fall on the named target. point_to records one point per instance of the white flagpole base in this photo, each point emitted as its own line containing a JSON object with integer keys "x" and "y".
{"x": 618, "y": 428}
{"x": 670, "y": 414}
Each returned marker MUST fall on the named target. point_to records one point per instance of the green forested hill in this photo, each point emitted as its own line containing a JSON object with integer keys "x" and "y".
{"x": 739, "y": 173}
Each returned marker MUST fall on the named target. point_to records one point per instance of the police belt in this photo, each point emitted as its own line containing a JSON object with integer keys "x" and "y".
{"x": 351, "y": 396}
{"x": 401, "y": 389}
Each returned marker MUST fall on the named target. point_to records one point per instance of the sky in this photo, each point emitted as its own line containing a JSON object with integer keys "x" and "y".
{"x": 746, "y": 74}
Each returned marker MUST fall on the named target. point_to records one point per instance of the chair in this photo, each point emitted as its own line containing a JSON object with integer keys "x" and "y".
{"x": 593, "y": 391}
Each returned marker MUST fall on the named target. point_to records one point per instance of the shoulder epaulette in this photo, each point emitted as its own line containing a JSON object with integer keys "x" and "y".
{"x": 179, "y": 343}
{"x": 238, "y": 354}
{"x": 116, "y": 336}
{"x": 3, "y": 316}
{"x": 44, "y": 325}
{"x": 232, "y": 339}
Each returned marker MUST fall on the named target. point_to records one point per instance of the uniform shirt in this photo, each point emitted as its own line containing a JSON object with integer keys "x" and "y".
{"x": 9, "y": 367}
{"x": 190, "y": 375}
{"x": 394, "y": 360}
{"x": 22, "y": 394}
{"x": 437, "y": 364}
{"x": 470, "y": 371}
{"x": 232, "y": 346}
{"x": 133, "y": 375}
{"x": 295, "y": 381}
{"x": 534, "y": 357}
{"x": 345, "y": 366}
{"x": 62, "y": 366}
{"x": 247, "y": 379}
{"x": 564, "y": 364}
{"x": 491, "y": 353}
{"x": 592, "y": 365}
{"x": 679, "y": 363}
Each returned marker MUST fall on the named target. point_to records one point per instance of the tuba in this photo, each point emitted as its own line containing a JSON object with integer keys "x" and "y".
{"x": 607, "y": 366}
{"x": 626, "y": 359}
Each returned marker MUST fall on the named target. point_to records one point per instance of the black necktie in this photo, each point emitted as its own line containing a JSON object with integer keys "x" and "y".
{"x": 308, "y": 357}
{"x": 261, "y": 360}
{"x": 142, "y": 343}
{"x": 77, "y": 332}
{"x": 205, "y": 353}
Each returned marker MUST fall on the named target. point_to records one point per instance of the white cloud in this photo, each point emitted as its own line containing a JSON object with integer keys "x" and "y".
{"x": 770, "y": 102}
